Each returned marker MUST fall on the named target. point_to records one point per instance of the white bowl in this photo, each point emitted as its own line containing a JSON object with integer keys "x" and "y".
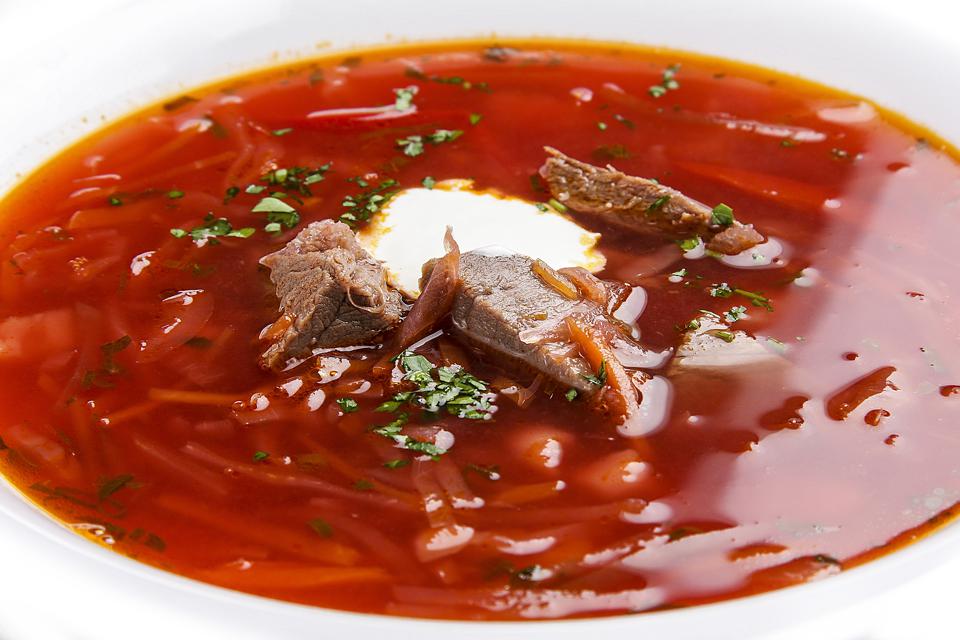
{"x": 66, "y": 66}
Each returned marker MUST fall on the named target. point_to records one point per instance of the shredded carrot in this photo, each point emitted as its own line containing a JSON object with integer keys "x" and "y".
{"x": 131, "y": 412}
{"x": 192, "y": 397}
{"x": 260, "y": 575}
{"x": 278, "y": 538}
{"x": 599, "y": 354}
{"x": 525, "y": 493}
{"x": 554, "y": 280}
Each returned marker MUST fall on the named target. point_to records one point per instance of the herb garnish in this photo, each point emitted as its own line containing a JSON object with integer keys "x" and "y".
{"x": 601, "y": 378}
{"x": 393, "y": 430}
{"x": 428, "y": 182}
{"x": 722, "y": 215}
{"x": 463, "y": 394}
{"x": 108, "y": 365}
{"x": 282, "y": 132}
{"x": 174, "y": 194}
{"x": 109, "y": 486}
{"x": 363, "y": 485}
{"x": 457, "y": 80}
{"x": 260, "y": 456}
{"x": 475, "y": 118}
{"x": 320, "y": 527}
{"x": 368, "y": 202}
{"x": 347, "y": 405}
{"x": 668, "y": 83}
{"x": 658, "y": 204}
{"x": 412, "y": 146}
{"x": 624, "y": 121}
{"x": 405, "y": 96}
{"x": 396, "y": 464}
{"x": 721, "y": 290}
{"x": 689, "y": 244}
{"x": 736, "y": 313}
{"x": 611, "y": 152}
{"x": 570, "y": 395}
{"x": 211, "y": 229}
{"x": 278, "y": 213}
{"x": 491, "y": 472}
{"x": 115, "y": 201}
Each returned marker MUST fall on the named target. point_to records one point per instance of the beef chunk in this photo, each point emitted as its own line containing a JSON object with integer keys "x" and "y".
{"x": 332, "y": 294}
{"x": 504, "y": 309}
{"x": 640, "y": 204}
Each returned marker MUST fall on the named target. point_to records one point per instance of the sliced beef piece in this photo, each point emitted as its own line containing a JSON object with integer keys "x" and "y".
{"x": 332, "y": 294}
{"x": 504, "y": 309}
{"x": 640, "y": 204}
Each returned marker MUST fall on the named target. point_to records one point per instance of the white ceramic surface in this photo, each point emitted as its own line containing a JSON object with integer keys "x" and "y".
{"x": 64, "y": 65}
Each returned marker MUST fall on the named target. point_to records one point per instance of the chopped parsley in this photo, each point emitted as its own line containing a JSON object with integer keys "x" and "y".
{"x": 109, "y": 486}
{"x": 667, "y": 83}
{"x": 722, "y": 215}
{"x": 405, "y": 96}
{"x": 462, "y": 394}
{"x": 296, "y": 179}
{"x": 735, "y": 313}
{"x": 368, "y": 202}
{"x": 259, "y": 456}
{"x": 396, "y": 464}
{"x": 115, "y": 201}
{"x": 282, "y": 132}
{"x": 689, "y": 244}
{"x": 624, "y": 121}
{"x": 363, "y": 485}
{"x": 455, "y": 80}
{"x": 412, "y": 146}
{"x": 174, "y": 194}
{"x": 109, "y": 367}
{"x": 321, "y": 527}
{"x": 475, "y": 118}
{"x": 680, "y": 273}
{"x": 279, "y": 214}
{"x": 428, "y": 182}
{"x": 602, "y": 126}
{"x": 394, "y": 431}
{"x": 658, "y": 204}
{"x": 211, "y": 229}
{"x": 491, "y": 472}
{"x": 601, "y": 378}
{"x": 570, "y": 395}
{"x": 756, "y": 299}
{"x": 347, "y": 405}
{"x": 611, "y": 152}
{"x": 721, "y": 290}
{"x": 230, "y": 194}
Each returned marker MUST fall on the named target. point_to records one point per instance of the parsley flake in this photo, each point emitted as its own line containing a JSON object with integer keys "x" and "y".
{"x": 404, "y": 100}
{"x": 722, "y": 215}
{"x": 347, "y": 405}
{"x": 601, "y": 378}
{"x": 667, "y": 83}
{"x": 260, "y": 456}
{"x": 211, "y": 229}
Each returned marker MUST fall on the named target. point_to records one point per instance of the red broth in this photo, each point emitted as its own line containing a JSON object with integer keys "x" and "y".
{"x": 128, "y": 357}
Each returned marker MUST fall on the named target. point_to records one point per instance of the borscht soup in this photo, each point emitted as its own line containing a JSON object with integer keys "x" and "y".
{"x": 515, "y": 330}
